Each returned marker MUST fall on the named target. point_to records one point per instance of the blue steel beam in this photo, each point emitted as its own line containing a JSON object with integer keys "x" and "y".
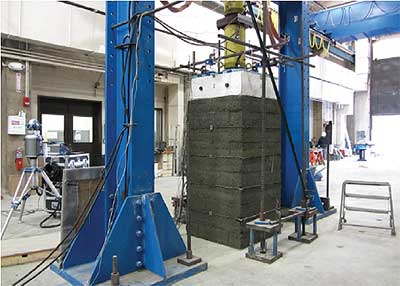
{"x": 358, "y": 20}
{"x": 294, "y": 22}
{"x": 340, "y": 53}
{"x": 334, "y": 49}
{"x": 141, "y": 232}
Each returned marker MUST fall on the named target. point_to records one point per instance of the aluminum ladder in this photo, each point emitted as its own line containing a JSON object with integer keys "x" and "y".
{"x": 387, "y": 197}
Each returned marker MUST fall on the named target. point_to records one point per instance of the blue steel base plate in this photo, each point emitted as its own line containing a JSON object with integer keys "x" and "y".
{"x": 78, "y": 275}
{"x": 304, "y": 238}
{"x": 266, "y": 257}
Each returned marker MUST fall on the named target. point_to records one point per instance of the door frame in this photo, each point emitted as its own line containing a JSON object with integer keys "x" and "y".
{"x": 68, "y": 124}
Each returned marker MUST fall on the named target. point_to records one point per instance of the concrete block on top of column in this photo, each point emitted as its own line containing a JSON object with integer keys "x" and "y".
{"x": 233, "y": 82}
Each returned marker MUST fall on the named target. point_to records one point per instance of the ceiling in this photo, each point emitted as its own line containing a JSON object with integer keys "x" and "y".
{"x": 322, "y": 5}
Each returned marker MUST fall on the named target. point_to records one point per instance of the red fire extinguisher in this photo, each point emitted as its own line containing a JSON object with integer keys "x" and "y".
{"x": 19, "y": 159}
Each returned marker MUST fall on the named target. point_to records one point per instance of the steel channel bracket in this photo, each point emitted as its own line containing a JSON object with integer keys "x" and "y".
{"x": 263, "y": 255}
{"x": 300, "y": 233}
{"x": 143, "y": 237}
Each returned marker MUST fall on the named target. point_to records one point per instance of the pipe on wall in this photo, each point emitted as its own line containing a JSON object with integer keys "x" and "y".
{"x": 27, "y": 78}
{"x": 55, "y": 58}
{"x": 49, "y": 62}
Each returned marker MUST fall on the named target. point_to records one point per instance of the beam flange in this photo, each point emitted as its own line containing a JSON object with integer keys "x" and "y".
{"x": 358, "y": 20}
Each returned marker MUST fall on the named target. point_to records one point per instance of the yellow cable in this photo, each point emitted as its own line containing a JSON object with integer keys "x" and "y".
{"x": 310, "y": 40}
{"x": 321, "y": 42}
{"x": 325, "y": 51}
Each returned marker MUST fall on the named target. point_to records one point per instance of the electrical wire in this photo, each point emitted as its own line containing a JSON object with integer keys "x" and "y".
{"x": 89, "y": 205}
{"x": 348, "y": 9}
{"x": 191, "y": 40}
{"x": 83, "y": 215}
{"x": 130, "y": 124}
{"x": 52, "y": 214}
{"x": 276, "y": 91}
{"x": 182, "y": 36}
{"x": 129, "y": 127}
{"x": 179, "y": 9}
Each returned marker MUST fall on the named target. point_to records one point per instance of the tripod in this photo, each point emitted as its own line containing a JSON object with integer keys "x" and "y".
{"x": 22, "y": 194}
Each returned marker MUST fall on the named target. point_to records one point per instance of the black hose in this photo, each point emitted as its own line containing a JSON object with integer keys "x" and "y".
{"x": 275, "y": 87}
{"x": 53, "y": 214}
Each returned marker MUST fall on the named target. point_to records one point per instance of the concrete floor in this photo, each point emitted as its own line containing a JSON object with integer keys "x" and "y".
{"x": 353, "y": 256}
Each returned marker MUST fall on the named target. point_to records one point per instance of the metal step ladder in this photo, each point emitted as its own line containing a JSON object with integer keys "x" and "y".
{"x": 387, "y": 197}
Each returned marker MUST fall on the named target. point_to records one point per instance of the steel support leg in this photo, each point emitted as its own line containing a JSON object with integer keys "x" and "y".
{"x": 17, "y": 201}
{"x": 251, "y": 243}
{"x": 275, "y": 244}
{"x": 22, "y": 208}
{"x": 299, "y": 230}
{"x": 315, "y": 224}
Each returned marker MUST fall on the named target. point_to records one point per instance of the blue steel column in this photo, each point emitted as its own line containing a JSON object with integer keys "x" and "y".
{"x": 291, "y": 17}
{"x": 140, "y": 167}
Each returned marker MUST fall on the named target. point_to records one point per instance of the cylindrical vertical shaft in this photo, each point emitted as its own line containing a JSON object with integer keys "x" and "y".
{"x": 115, "y": 273}
{"x": 189, "y": 254}
{"x": 263, "y": 117}
{"x": 234, "y": 30}
{"x": 304, "y": 145}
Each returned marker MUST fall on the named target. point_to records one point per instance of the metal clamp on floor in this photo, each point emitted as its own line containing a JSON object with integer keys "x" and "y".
{"x": 301, "y": 216}
{"x": 344, "y": 207}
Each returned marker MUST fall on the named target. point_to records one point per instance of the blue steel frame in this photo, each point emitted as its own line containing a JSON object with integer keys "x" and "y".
{"x": 294, "y": 22}
{"x": 362, "y": 19}
{"x": 142, "y": 234}
{"x": 350, "y": 22}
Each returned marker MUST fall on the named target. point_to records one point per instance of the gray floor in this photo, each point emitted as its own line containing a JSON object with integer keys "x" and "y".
{"x": 352, "y": 256}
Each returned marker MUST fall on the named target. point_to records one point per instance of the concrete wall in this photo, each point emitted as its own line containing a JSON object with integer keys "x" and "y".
{"x": 11, "y": 104}
{"x": 341, "y": 124}
{"x": 315, "y": 119}
{"x": 64, "y": 25}
{"x": 52, "y": 81}
{"x": 363, "y": 56}
{"x": 45, "y": 81}
{"x": 361, "y": 115}
{"x": 385, "y": 87}
{"x": 55, "y": 22}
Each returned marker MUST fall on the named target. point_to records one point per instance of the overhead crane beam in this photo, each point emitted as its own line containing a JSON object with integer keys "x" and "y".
{"x": 335, "y": 50}
{"x": 358, "y": 20}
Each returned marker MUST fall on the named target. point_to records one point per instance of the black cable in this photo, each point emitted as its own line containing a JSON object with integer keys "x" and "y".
{"x": 70, "y": 232}
{"x": 130, "y": 91}
{"x": 52, "y": 214}
{"x": 276, "y": 91}
{"x": 182, "y": 34}
{"x": 84, "y": 7}
{"x": 73, "y": 228}
{"x": 185, "y": 37}
{"x": 189, "y": 39}
{"x": 89, "y": 205}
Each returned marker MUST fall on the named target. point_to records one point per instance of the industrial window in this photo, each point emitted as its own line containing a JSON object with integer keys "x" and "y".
{"x": 53, "y": 127}
{"x": 158, "y": 127}
{"x": 82, "y": 129}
